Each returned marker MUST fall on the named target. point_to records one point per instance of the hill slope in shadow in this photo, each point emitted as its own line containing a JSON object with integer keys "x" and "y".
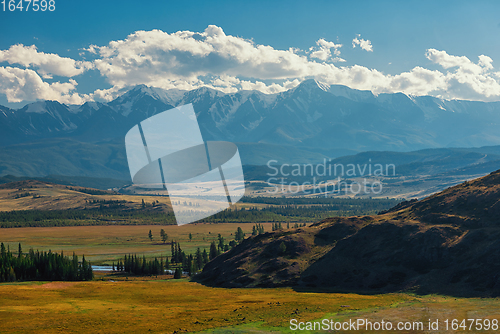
{"x": 447, "y": 243}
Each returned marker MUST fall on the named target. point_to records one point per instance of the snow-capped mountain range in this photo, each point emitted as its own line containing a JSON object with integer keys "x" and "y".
{"x": 311, "y": 116}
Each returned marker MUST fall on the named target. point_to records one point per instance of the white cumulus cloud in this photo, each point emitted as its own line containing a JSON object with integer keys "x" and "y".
{"x": 187, "y": 60}
{"x": 26, "y": 85}
{"x": 324, "y": 52}
{"x": 46, "y": 64}
{"x": 363, "y": 44}
{"x": 468, "y": 80}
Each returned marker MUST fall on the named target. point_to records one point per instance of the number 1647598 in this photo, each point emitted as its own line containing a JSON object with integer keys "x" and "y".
{"x": 28, "y": 5}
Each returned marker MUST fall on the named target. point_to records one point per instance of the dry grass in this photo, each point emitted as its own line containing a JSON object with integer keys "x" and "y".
{"x": 59, "y": 197}
{"x": 161, "y": 306}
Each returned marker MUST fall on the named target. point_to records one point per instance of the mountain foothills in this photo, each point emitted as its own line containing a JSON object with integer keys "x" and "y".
{"x": 447, "y": 243}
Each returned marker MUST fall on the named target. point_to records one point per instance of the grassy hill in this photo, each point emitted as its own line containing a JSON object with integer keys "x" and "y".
{"x": 33, "y": 203}
{"x": 447, "y": 243}
{"x": 39, "y": 195}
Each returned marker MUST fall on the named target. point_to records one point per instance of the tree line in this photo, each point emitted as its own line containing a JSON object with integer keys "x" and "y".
{"x": 105, "y": 215}
{"x": 42, "y": 266}
{"x": 179, "y": 261}
{"x": 115, "y": 212}
{"x": 91, "y": 191}
{"x": 140, "y": 266}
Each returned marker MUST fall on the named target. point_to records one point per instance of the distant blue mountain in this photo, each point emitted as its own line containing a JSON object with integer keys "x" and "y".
{"x": 306, "y": 124}
{"x": 311, "y": 115}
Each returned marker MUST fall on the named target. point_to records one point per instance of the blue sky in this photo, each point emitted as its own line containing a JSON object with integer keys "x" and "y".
{"x": 416, "y": 47}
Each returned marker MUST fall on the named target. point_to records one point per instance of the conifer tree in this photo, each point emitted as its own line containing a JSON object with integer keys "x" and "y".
{"x": 213, "y": 251}
{"x": 177, "y": 273}
{"x": 204, "y": 255}
{"x": 163, "y": 235}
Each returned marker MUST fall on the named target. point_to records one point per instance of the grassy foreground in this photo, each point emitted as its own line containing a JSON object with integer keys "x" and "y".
{"x": 167, "y": 306}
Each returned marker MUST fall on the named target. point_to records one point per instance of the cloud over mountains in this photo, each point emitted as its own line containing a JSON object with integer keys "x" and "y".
{"x": 186, "y": 60}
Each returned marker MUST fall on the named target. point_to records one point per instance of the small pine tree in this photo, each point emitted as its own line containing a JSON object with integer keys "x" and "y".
{"x": 150, "y": 235}
{"x": 282, "y": 248}
{"x": 204, "y": 255}
{"x": 178, "y": 273}
{"x": 239, "y": 235}
{"x": 220, "y": 246}
{"x": 174, "y": 251}
{"x": 163, "y": 236}
{"x": 213, "y": 251}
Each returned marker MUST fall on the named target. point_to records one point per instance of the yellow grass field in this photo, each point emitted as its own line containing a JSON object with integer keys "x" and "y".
{"x": 120, "y": 304}
{"x": 104, "y": 244}
{"x": 168, "y": 306}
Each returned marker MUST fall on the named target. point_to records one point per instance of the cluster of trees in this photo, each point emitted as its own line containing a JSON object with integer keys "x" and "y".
{"x": 219, "y": 247}
{"x": 140, "y": 266}
{"x": 152, "y": 204}
{"x": 179, "y": 261}
{"x": 90, "y": 191}
{"x": 21, "y": 195}
{"x": 107, "y": 204}
{"x": 278, "y": 226}
{"x": 257, "y": 229}
{"x": 163, "y": 235}
{"x": 104, "y": 201}
{"x": 341, "y": 202}
{"x": 45, "y": 266}
{"x": 189, "y": 263}
{"x": 103, "y": 215}
{"x": 309, "y": 210}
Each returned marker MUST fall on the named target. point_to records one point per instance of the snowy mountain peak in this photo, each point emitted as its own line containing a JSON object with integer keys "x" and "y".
{"x": 41, "y": 107}
{"x": 313, "y": 83}
{"x": 351, "y": 94}
{"x": 322, "y": 86}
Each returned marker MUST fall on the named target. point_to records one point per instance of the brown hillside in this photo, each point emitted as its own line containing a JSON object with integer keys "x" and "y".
{"x": 38, "y": 195}
{"x": 448, "y": 243}
{"x": 474, "y": 204}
